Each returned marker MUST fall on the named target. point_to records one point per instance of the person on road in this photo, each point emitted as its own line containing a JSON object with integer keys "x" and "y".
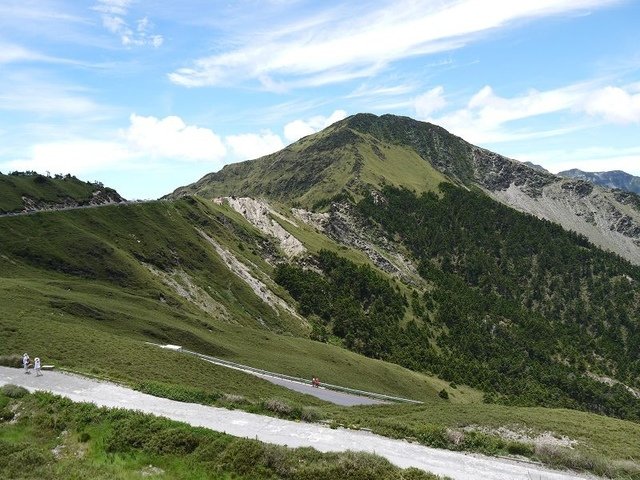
{"x": 25, "y": 363}
{"x": 36, "y": 367}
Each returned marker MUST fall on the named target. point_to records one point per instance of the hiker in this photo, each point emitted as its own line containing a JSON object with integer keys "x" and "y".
{"x": 25, "y": 363}
{"x": 36, "y": 367}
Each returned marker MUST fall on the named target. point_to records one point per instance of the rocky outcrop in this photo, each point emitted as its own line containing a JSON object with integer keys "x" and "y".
{"x": 103, "y": 196}
{"x": 498, "y": 173}
{"x": 260, "y": 214}
{"x": 345, "y": 226}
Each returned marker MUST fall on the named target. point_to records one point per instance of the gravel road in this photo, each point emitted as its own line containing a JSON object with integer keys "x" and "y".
{"x": 283, "y": 432}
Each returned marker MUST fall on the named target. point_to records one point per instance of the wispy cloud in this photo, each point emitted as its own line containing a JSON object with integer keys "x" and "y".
{"x": 335, "y": 47}
{"x": 114, "y": 19}
{"x": 13, "y": 53}
{"x": 28, "y": 92}
{"x": 490, "y": 118}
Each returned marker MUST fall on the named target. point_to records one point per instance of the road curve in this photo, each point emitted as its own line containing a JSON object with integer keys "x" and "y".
{"x": 284, "y": 432}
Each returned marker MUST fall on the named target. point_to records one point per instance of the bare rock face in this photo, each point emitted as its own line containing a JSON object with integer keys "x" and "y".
{"x": 498, "y": 173}
{"x": 345, "y": 226}
{"x": 609, "y": 219}
{"x": 584, "y": 208}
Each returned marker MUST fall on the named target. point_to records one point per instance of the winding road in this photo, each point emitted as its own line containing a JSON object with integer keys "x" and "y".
{"x": 457, "y": 465}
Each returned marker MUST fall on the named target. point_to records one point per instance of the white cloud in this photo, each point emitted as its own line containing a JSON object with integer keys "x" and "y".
{"x": 430, "y": 102}
{"x": 147, "y": 141}
{"x": 488, "y": 117}
{"x": 367, "y": 91}
{"x": 170, "y": 137}
{"x": 615, "y": 105}
{"x": 15, "y": 53}
{"x": 254, "y": 145}
{"x": 301, "y": 128}
{"x": 340, "y": 45}
{"x": 114, "y": 12}
{"x": 113, "y": 7}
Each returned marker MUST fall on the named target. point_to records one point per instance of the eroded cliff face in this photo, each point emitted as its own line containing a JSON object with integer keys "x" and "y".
{"x": 343, "y": 225}
{"x": 609, "y": 219}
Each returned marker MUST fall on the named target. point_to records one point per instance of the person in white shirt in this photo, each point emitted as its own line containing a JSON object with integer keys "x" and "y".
{"x": 25, "y": 363}
{"x": 36, "y": 367}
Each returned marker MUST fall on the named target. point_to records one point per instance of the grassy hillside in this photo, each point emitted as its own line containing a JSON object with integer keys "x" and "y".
{"x": 31, "y": 191}
{"x": 76, "y": 290}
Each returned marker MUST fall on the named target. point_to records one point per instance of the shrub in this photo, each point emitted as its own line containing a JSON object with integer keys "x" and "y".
{"x": 173, "y": 441}
{"x": 519, "y": 448}
{"x": 6, "y": 415}
{"x": 277, "y": 406}
{"x": 25, "y": 460}
{"x": 443, "y": 394}
{"x": 311, "y": 414}
{"x": 132, "y": 432}
{"x": 211, "y": 447}
{"x": 432, "y": 435}
{"x": 12, "y": 360}
{"x": 84, "y": 437}
{"x": 242, "y": 456}
{"x": 233, "y": 399}
{"x": 14, "y": 391}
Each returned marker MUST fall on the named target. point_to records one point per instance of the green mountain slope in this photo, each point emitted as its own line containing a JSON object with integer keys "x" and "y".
{"x": 29, "y": 191}
{"x": 86, "y": 289}
{"x": 341, "y": 160}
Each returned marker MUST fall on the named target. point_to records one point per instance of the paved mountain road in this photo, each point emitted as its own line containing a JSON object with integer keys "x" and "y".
{"x": 284, "y": 432}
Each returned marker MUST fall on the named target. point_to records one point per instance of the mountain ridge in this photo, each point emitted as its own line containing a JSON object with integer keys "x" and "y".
{"x": 365, "y": 151}
{"x": 615, "y": 179}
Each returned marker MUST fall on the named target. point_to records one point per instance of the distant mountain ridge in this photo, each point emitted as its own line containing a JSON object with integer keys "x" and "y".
{"x": 610, "y": 179}
{"x": 363, "y": 152}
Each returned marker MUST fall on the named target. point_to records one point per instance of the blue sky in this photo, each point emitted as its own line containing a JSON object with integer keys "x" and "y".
{"x": 148, "y": 95}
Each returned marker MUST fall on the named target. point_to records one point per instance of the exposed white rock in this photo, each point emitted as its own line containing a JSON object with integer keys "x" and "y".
{"x": 596, "y": 215}
{"x": 258, "y": 287}
{"x": 612, "y": 381}
{"x": 182, "y": 283}
{"x": 318, "y": 221}
{"x": 260, "y": 214}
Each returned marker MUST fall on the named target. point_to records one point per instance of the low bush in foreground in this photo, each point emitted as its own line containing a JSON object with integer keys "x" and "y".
{"x": 13, "y": 391}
